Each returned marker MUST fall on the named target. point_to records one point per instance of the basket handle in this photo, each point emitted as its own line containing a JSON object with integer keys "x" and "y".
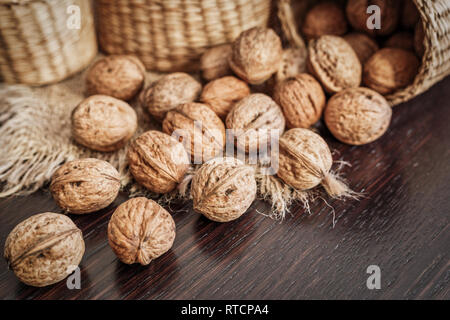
{"x": 288, "y": 24}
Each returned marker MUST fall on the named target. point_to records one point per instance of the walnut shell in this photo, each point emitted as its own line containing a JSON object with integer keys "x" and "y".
{"x": 252, "y": 119}
{"x": 389, "y": 15}
{"x": 410, "y": 15}
{"x": 199, "y": 128}
{"x": 103, "y": 123}
{"x": 304, "y": 159}
{"x": 293, "y": 62}
{"x": 334, "y": 63}
{"x": 363, "y": 45}
{"x": 85, "y": 185}
{"x": 302, "y": 100}
{"x": 402, "y": 40}
{"x": 169, "y": 92}
{"x": 221, "y": 94}
{"x": 324, "y": 18}
{"x": 390, "y": 69}
{"x": 118, "y": 76}
{"x": 214, "y": 62}
{"x": 358, "y": 116}
{"x": 157, "y": 161}
{"x": 256, "y": 55}
{"x": 140, "y": 230}
{"x": 223, "y": 189}
{"x": 419, "y": 37}
{"x": 44, "y": 249}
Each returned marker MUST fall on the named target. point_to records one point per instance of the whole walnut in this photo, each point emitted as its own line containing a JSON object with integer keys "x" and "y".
{"x": 169, "y": 92}
{"x": 214, "y": 62}
{"x": 305, "y": 161}
{"x": 410, "y": 15}
{"x": 256, "y": 55}
{"x": 358, "y": 116}
{"x": 44, "y": 249}
{"x": 85, "y": 185}
{"x": 221, "y": 94}
{"x": 419, "y": 37}
{"x": 140, "y": 230}
{"x": 334, "y": 63}
{"x": 223, "y": 189}
{"x": 253, "y": 120}
{"x": 302, "y": 100}
{"x": 324, "y": 18}
{"x": 118, "y": 76}
{"x": 389, "y": 15}
{"x": 157, "y": 161}
{"x": 199, "y": 128}
{"x": 402, "y": 40}
{"x": 293, "y": 62}
{"x": 363, "y": 45}
{"x": 390, "y": 69}
{"x": 103, "y": 123}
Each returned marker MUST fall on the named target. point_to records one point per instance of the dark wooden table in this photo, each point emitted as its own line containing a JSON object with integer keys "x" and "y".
{"x": 402, "y": 226}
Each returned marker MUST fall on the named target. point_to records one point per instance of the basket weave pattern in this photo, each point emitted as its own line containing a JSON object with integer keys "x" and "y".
{"x": 171, "y": 35}
{"x": 435, "y": 65}
{"x": 36, "y": 45}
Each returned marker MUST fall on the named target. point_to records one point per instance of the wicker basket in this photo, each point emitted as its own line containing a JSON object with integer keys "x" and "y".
{"x": 171, "y": 35}
{"x": 38, "y": 46}
{"x": 435, "y": 66}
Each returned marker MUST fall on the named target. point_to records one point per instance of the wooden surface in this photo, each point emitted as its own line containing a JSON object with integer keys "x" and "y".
{"x": 402, "y": 225}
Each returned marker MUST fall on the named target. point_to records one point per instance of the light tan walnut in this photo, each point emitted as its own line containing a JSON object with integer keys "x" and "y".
{"x": 199, "y": 128}
{"x": 390, "y": 69}
{"x": 44, "y": 249}
{"x": 302, "y": 100}
{"x": 140, "y": 230}
{"x": 419, "y": 37}
{"x": 402, "y": 40}
{"x": 334, "y": 63}
{"x": 389, "y": 15}
{"x": 157, "y": 161}
{"x": 293, "y": 63}
{"x": 214, "y": 62}
{"x": 252, "y": 121}
{"x": 358, "y": 116}
{"x": 118, "y": 76}
{"x": 324, "y": 18}
{"x": 103, "y": 123}
{"x": 363, "y": 45}
{"x": 223, "y": 189}
{"x": 169, "y": 92}
{"x": 85, "y": 185}
{"x": 256, "y": 55}
{"x": 221, "y": 94}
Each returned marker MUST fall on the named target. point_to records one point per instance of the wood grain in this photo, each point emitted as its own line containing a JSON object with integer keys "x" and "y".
{"x": 401, "y": 225}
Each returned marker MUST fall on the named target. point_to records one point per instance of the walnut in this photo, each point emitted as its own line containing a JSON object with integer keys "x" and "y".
{"x": 409, "y": 15}
{"x": 118, "y": 76}
{"x": 334, "y": 63}
{"x": 389, "y": 15}
{"x": 199, "y": 128}
{"x": 221, "y": 94}
{"x": 253, "y": 119}
{"x": 419, "y": 37}
{"x": 223, "y": 189}
{"x": 302, "y": 100}
{"x": 358, "y": 116}
{"x": 85, "y": 185}
{"x": 157, "y": 161}
{"x": 402, "y": 40}
{"x": 103, "y": 123}
{"x": 214, "y": 62}
{"x": 44, "y": 249}
{"x": 363, "y": 45}
{"x": 256, "y": 55}
{"x": 293, "y": 62}
{"x": 390, "y": 69}
{"x": 324, "y": 18}
{"x": 169, "y": 92}
{"x": 140, "y": 230}
{"x": 305, "y": 161}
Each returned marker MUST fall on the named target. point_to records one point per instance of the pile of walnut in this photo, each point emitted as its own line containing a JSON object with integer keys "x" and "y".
{"x": 325, "y": 79}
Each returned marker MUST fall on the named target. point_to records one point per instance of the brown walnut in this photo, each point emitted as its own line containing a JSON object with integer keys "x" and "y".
{"x": 402, "y": 40}
{"x": 214, "y": 62}
{"x": 410, "y": 15}
{"x": 324, "y": 18}
{"x": 44, "y": 249}
{"x": 85, "y": 185}
{"x": 419, "y": 37}
{"x": 363, "y": 45}
{"x": 140, "y": 230}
